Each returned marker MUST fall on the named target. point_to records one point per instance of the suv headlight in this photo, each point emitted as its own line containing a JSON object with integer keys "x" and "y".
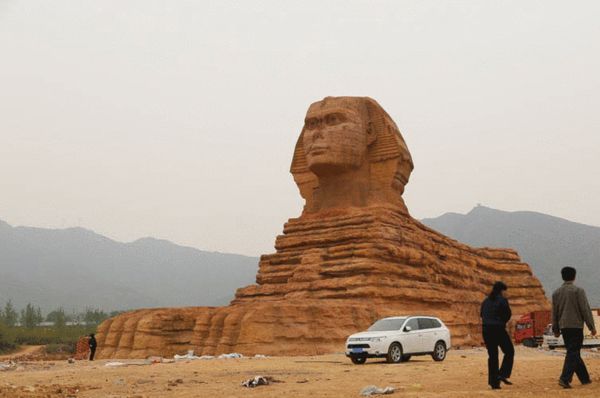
{"x": 373, "y": 339}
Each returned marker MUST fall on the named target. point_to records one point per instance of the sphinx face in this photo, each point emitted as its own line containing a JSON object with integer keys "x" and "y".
{"x": 335, "y": 137}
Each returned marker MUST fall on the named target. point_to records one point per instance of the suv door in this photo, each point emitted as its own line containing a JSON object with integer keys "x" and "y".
{"x": 411, "y": 341}
{"x": 428, "y": 334}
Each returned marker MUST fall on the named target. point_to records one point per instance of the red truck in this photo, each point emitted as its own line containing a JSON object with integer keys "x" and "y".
{"x": 530, "y": 328}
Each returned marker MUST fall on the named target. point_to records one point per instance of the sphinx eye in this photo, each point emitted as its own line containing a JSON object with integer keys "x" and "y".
{"x": 312, "y": 123}
{"x": 332, "y": 119}
{"x": 335, "y": 118}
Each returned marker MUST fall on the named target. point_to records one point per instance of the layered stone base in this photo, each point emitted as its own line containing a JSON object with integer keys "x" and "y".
{"x": 333, "y": 274}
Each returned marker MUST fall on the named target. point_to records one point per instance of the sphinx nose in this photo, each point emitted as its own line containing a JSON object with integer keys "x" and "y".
{"x": 317, "y": 134}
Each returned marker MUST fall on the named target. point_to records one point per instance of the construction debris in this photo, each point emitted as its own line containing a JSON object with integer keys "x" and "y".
{"x": 9, "y": 365}
{"x": 373, "y": 390}
{"x": 132, "y": 363}
{"x": 190, "y": 356}
{"x": 233, "y": 355}
{"x": 256, "y": 381}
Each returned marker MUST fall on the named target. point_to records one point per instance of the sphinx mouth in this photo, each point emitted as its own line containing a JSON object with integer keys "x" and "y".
{"x": 315, "y": 150}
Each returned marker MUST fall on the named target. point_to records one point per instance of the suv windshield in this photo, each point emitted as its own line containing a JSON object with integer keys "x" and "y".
{"x": 387, "y": 324}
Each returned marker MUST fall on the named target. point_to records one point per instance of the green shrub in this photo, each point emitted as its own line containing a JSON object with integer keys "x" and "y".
{"x": 51, "y": 335}
{"x": 7, "y": 340}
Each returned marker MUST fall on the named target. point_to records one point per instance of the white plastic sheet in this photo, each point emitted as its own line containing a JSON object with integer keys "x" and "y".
{"x": 373, "y": 390}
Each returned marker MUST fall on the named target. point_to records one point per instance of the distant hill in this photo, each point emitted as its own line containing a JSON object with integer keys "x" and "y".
{"x": 75, "y": 268}
{"x": 547, "y": 243}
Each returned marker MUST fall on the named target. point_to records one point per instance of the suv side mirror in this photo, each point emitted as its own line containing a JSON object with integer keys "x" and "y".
{"x": 407, "y": 328}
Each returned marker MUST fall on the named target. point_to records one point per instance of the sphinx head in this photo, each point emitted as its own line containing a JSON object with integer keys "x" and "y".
{"x": 336, "y": 135}
{"x": 350, "y": 148}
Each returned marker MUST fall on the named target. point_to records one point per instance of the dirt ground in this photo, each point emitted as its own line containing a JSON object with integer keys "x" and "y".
{"x": 24, "y": 351}
{"x": 462, "y": 374}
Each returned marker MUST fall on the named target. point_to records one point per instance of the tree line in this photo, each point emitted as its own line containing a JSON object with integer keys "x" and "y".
{"x": 25, "y": 326}
{"x": 31, "y": 316}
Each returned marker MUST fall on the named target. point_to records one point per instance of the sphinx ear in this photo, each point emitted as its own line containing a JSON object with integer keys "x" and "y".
{"x": 371, "y": 133}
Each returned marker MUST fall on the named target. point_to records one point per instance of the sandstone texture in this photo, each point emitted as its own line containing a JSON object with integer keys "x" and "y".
{"x": 353, "y": 256}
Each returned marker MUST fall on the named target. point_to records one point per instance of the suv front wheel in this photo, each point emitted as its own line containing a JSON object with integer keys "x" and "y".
{"x": 394, "y": 354}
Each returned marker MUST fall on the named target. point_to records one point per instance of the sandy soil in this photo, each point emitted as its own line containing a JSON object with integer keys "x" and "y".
{"x": 23, "y": 351}
{"x": 461, "y": 375}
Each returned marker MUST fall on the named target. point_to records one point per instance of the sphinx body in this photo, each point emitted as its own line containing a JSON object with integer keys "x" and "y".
{"x": 353, "y": 256}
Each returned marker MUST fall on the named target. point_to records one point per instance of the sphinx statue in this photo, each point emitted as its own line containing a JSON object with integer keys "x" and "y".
{"x": 354, "y": 255}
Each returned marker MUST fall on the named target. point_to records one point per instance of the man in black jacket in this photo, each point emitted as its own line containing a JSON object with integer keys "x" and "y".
{"x": 495, "y": 313}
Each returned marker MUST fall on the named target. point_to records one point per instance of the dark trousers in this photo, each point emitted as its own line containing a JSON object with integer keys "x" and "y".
{"x": 92, "y": 353}
{"x": 494, "y": 337}
{"x": 573, "y": 363}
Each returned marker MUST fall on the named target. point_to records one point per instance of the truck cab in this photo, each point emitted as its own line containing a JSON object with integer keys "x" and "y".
{"x": 524, "y": 330}
{"x": 529, "y": 329}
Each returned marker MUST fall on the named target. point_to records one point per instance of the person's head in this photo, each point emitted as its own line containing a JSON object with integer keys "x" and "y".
{"x": 568, "y": 274}
{"x": 497, "y": 290}
{"x": 91, "y": 334}
{"x": 337, "y": 132}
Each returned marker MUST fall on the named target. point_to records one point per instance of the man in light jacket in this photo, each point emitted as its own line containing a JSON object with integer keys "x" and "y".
{"x": 570, "y": 309}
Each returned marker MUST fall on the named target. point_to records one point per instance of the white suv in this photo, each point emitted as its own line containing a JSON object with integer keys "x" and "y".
{"x": 398, "y": 338}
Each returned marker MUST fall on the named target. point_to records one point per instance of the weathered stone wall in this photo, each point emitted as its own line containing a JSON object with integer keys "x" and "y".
{"x": 331, "y": 277}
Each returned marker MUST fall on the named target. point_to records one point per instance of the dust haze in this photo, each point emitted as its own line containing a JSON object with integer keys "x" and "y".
{"x": 178, "y": 119}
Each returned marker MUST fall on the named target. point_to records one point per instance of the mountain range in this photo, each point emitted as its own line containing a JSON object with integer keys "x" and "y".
{"x": 76, "y": 268}
{"x": 545, "y": 242}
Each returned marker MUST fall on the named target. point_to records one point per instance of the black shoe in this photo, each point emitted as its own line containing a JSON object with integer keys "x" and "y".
{"x": 564, "y": 384}
{"x": 586, "y": 382}
{"x": 505, "y": 380}
{"x": 496, "y": 387}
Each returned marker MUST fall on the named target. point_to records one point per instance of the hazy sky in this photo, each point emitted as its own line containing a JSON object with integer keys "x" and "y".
{"x": 177, "y": 119}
